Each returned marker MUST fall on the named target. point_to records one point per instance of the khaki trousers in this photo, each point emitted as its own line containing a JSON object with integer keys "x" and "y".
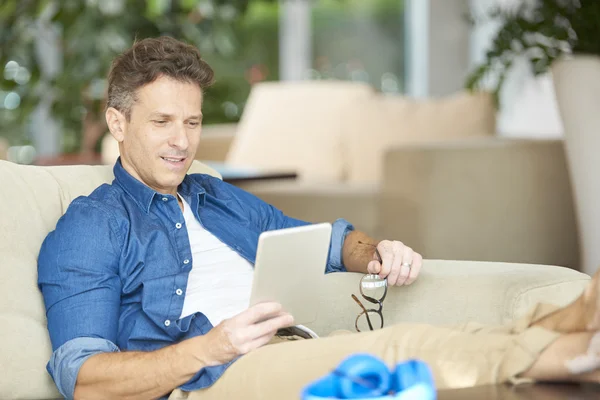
{"x": 459, "y": 356}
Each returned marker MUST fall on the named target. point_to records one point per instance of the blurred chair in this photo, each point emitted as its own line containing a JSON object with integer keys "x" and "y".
{"x": 335, "y": 131}
{"x": 490, "y": 199}
{"x": 335, "y": 134}
{"x": 298, "y": 126}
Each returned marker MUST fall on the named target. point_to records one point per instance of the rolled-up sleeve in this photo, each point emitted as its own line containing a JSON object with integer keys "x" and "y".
{"x": 340, "y": 229}
{"x": 66, "y": 361}
{"x": 79, "y": 280}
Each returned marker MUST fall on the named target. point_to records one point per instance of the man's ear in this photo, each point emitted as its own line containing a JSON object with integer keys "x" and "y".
{"x": 116, "y": 122}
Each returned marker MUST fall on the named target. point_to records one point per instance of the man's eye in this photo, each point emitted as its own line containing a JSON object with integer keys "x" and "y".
{"x": 193, "y": 124}
{"x": 160, "y": 122}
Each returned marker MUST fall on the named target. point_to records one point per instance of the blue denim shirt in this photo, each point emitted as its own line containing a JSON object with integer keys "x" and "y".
{"x": 111, "y": 271}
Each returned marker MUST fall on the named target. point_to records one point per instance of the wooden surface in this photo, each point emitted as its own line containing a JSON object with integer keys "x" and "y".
{"x": 524, "y": 392}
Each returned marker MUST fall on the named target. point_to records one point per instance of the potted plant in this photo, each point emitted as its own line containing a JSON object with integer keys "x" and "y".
{"x": 561, "y": 37}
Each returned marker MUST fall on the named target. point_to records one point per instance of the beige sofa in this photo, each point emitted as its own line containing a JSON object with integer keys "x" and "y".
{"x": 33, "y": 198}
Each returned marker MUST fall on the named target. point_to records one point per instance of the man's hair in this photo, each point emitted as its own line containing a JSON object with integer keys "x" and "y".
{"x": 149, "y": 59}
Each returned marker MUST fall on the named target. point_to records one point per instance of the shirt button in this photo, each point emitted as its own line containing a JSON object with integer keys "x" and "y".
{"x": 165, "y": 199}
{"x": 167, "y": 323}
{"x": 178, "y": 225}
{"x": 179, "y": 292}
{"x": 186, "y": 261}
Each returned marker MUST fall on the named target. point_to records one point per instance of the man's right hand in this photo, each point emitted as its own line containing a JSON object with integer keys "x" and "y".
{"x": 243, "y": 333}
{"x": 152, "y": 374}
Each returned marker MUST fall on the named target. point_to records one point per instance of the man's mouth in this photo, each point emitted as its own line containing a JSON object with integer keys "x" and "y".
{"x": 174, "y": 160}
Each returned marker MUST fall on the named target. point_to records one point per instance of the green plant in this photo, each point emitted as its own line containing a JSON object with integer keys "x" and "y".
{"x": 540, "y": 31}
{"x": 91, "y": 33}
{"x": 238, "y": 38}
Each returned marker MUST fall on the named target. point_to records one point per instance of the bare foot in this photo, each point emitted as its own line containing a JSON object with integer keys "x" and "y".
{"x": 591, "y": 303}
{"x": 571, "y": 357}
{"x": 582, "y": 315}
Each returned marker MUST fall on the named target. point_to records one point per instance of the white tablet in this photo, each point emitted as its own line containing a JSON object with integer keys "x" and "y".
{"x": 289, "y": 269}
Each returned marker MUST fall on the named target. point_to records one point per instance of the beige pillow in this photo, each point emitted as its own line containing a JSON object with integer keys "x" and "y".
{"x": 396, "y": 120}
{"x": 297, "y": 126}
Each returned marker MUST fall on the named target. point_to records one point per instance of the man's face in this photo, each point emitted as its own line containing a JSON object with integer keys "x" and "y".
{"x": 159, "y": 142}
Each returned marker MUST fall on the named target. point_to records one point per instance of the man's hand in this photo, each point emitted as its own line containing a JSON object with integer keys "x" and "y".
{"x": 401, "y": 264}
{"x": 245, "y": 332}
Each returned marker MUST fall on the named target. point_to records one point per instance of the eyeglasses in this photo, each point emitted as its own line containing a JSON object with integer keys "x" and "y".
{"x": 373, "y": 289}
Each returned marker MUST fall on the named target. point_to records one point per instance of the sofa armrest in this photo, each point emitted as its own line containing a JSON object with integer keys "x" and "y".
{"x": 485, "y": 200}
{"x": 454, "y": 292}
{"x": 321, "y": 202}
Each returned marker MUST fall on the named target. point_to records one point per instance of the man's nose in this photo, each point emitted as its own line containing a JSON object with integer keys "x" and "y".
{"x": 179, "y": 138}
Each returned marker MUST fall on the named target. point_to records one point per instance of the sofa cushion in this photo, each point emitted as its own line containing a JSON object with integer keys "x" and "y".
{"x": 32, "y": 200}
{"x": 297, "y": 126}
{"x": 386, "y": 121}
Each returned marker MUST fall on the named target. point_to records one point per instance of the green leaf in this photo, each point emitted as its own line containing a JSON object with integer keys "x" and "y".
{"x": 188, "y": 5}
{"x": 156, "y": 8}
{"x": 7, "y": 8}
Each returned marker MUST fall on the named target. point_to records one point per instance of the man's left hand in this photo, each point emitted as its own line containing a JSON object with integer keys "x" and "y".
{"x": 401, "y": 264}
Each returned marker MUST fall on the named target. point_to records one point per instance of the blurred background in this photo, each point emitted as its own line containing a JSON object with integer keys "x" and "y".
{"x": 467, "y": 128}
{"x": 54, "y": 57}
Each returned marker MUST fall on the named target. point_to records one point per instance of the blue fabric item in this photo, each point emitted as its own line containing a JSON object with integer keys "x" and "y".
{"x": 67, "y": 359}
{"x": 363, "y": 376}
{"x": 112, "y": 268}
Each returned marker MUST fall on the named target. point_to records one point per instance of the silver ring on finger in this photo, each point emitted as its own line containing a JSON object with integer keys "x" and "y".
{"x": 408, "y": 265}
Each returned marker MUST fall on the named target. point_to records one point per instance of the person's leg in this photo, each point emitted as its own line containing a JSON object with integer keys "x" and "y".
{"x": 581, "y": 315}
{"x": 472, "y": 355}
{"x": 457, "y": 359}
{"x": 572, "y": 357}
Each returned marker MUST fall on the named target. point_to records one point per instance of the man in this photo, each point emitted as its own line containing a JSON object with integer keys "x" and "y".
{"x": 146, "y": 281}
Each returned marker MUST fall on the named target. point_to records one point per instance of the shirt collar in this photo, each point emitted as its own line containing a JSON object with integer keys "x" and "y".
{"x": 143, "y": 195}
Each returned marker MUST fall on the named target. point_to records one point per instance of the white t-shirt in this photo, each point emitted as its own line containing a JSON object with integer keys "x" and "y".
{"x": 220, "y": 281}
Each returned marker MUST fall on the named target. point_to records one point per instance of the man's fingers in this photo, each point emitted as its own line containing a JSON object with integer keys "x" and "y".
{"x": 259, "y": 312}
{"x": 394, "y": 276}
{"x": 374, "y": 267}
{"x": 269, "y": 327}
{"x": 415, "y": 269}
{"x": 387, "y": 257}
{"x": 406, "y": 266}
{"x": 259, "y": 342}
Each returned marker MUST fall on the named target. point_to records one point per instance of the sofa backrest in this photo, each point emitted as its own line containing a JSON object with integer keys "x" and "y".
{"x": 32, "y": 199}
{"x": 297, "y": 126}
{"x": 389, "y": 121}
{"x": 333, "y": 131}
